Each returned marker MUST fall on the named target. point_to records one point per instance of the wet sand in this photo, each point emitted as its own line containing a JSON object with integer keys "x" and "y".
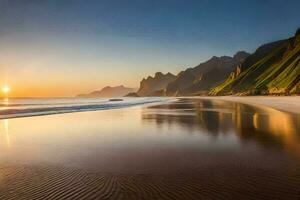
{"x": 190, "y": 149}
{"x": 236, "y": 182}
{"x": 284, "y": 103}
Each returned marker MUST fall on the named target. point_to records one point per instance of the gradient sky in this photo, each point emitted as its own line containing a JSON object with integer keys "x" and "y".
{"x": 66, "y": 47}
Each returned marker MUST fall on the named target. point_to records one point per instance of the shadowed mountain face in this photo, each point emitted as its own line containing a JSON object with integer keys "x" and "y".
{"x": 153, "y": 86}
{"x": 108, "y": 91}
{"x": 273, "y": 68}
{"x": 200, "y": 79}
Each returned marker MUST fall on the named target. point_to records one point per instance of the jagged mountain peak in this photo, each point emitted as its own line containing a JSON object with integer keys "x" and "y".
{"x": 240, "y": 55}
{"x": 153, "y": 84}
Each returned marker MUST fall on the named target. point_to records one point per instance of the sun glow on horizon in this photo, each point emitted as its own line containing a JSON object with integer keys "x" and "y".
{"x": 5, "y": 89}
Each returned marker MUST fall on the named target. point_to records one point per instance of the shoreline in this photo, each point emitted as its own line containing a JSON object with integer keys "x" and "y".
{"x": 282, "y": 103}
{"x": 289, "y": 104}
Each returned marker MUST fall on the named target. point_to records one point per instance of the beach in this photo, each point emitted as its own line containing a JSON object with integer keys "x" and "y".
{"x": 149, "y": 100}
{"x": 191, "y": 148}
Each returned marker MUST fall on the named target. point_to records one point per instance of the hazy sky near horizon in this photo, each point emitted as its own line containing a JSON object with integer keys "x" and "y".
{"x": 66, "y": 47}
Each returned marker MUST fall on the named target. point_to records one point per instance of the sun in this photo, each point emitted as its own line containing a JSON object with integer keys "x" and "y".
{"x": 5, "y": 89}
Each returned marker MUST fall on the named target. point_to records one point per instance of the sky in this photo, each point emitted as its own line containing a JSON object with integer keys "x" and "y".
{"x": 63, "y": 48}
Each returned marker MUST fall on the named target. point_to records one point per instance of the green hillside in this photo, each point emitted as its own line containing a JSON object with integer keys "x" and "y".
{"x": 276, "y": 72}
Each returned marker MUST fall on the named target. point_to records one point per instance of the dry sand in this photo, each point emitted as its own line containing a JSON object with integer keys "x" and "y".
{"x": 283, "y": 103}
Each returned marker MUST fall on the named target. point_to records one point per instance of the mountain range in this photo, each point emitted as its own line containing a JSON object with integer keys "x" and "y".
{"x": 200, "y": 79}
{"x": 274, "y": 68}
{"x": 108, "y": 91}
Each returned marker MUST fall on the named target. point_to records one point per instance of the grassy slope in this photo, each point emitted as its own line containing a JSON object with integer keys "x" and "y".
{"x": 277, "y": 72}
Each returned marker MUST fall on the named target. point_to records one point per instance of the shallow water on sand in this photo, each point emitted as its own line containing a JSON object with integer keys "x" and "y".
{"x": 210, "y": 143}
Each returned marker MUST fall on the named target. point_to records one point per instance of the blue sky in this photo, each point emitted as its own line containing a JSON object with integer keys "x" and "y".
{"x": 112, "y": 42}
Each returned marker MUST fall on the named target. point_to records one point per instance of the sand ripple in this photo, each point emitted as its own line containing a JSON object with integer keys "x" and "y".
{"x": 45, "y": 183}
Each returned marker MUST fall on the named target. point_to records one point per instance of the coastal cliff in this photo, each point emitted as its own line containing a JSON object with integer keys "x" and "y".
{"x": 151, "y": 85}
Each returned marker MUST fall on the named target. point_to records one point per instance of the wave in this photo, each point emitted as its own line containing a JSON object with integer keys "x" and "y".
{"x": 19, "y": 108}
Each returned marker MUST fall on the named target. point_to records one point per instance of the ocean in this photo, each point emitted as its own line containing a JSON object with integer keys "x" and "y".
{"x": 24, "y": 107}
